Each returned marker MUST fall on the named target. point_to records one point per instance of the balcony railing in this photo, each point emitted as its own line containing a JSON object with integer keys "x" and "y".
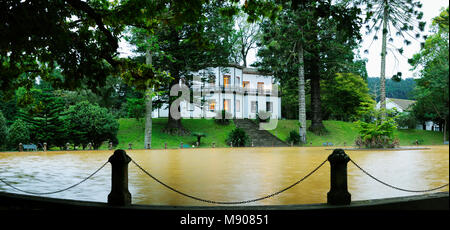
{"x": 231, "y": 89}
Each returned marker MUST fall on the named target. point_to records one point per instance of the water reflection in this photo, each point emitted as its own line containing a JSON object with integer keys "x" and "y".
{"x": 232, "y": 174}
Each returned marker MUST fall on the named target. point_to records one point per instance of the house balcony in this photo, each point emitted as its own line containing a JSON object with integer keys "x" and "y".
{"x": 232, "y": 89}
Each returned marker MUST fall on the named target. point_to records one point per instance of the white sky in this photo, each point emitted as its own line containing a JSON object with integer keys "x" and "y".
{"x": 430, "y": 9}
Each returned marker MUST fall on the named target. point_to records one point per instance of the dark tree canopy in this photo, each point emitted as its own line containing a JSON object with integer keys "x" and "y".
{"x": 73, "y": 41}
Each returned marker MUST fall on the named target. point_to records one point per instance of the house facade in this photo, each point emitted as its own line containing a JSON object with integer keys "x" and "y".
{"x": 241, "y": 92}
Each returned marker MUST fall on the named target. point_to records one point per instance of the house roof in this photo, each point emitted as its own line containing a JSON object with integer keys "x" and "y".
{"x": 402, "y": 103}
{"x": 254, "y": 71}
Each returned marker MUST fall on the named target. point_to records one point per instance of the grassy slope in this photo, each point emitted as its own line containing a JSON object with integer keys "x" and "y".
{"x": 340, "y": 132}
{"x": 132, "y": 131}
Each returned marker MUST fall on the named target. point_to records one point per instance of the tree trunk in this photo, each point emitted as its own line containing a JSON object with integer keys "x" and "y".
{"x": 174, "y": 126}
{"x": 148, "y": 106}
{"x": 244, "y": 56}
{"x": 383, "y": 66}
{"x": 445, "y": 130}
{"x": 317, "y": 126}
{"x": 301, "y": 95}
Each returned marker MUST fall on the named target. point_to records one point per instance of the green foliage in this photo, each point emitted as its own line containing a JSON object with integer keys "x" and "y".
{"x": 406, "y": 120}
{"x": 238, "y": 137}
{"x": 401, "y": 90}
{"x": 327, "y": 38}
{"x": 342, "y": 133}
{"x": 18, "y": 133}
{"x": 354, "y": 98}
{"x": 432, "y": 91}
{"x": 90, "y": 123}
{"x": 294, "y": 137}
{"x": 3, "y": 130}
{"x": 377, "y": 134}
{"x": 44, "y": 117}
{"x": 136, "y": 107}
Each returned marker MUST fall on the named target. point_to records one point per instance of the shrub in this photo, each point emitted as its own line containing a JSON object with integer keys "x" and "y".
{"x": 91, "y": 123}
{"x": 406, "y": 120}
{"x": 293, "y": 137}
{"x": 223, "y": 117}
{"x": 377, "y": 134}
{"x": 238, "y": 137}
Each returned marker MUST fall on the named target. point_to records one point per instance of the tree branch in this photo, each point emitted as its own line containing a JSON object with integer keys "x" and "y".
{"x": 91, "y": 13}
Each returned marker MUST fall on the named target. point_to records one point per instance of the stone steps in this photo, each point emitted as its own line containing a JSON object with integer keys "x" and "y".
{"x": 259, "y": 137}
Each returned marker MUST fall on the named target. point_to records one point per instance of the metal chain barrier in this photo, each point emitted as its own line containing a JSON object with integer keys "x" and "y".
{"x": 58, "y": 191}
{"x": 394, "y": 187}
{"x": 229, "y": 203}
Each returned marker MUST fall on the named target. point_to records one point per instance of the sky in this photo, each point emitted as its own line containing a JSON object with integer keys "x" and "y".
{"x": 430, "y": 9}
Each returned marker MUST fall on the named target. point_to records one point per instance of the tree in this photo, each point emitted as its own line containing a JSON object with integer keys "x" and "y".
{"x": 90, "y": 123}
{"x": 245, "y": 38}
{"x": 186, "y": 48}
{"x": 3, "y": 130}
{"x": 18, "y": 133}
{"x": 353, "y": 94}
{"x": 136, "y": 108}
{"x": 282, "y": 53}
{"x": 393, "y": 16}
{"x": 432, "y": 92}
{"x": 44, "y": 117}
{"x": 298, "y": 45}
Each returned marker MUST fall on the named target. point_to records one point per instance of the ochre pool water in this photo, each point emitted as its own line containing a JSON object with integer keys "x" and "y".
{"x": 226, "y": 174}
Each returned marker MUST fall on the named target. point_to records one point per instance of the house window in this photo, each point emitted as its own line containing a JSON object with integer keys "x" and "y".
{"x": 246, "y": 84}
{"x": 212, "y": 80}
{"x": 212, "y": 105}
{"x": 238, "y": 81}
{"x": 227, "y": 104}
{"x": 260, "y": 87}
{"x": 238, "y": 106}
{"x": 254, "y": 104}
{"x": 226, "y": 81}
{"x": 269, "y": 106}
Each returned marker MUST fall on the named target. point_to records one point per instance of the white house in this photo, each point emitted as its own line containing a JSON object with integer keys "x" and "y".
{"x": 240, "y": 91}
{"x": 402, "y": 105}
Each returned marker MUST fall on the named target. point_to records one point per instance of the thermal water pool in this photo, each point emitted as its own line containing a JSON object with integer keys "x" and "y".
{"x": 226, "y": 174}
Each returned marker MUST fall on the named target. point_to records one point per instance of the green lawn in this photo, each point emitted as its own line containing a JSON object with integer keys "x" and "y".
{"x": 132, "y": 131}
{"x": 340, "y": 132}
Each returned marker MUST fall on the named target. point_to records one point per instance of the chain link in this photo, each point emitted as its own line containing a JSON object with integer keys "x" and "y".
{"x": 394, "y": 187}
{"x": 227, "y": 203}
{"x": 58, "y": 191}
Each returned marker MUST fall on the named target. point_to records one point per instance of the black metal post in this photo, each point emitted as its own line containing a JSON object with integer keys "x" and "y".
{"x": 338, "y": 194}
{"x": 119, "y": 183}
